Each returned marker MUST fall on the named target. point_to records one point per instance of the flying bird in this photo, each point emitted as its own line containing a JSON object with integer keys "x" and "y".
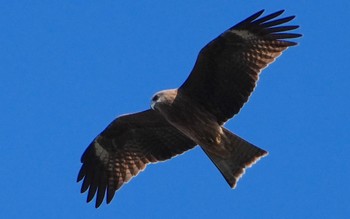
{"x": 224, "y": 76}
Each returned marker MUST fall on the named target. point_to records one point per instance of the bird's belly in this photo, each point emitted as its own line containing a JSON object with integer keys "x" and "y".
{"x": 199, "y": 126}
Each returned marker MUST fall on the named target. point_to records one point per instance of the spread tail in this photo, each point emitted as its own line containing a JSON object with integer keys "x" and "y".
{"x": 240, "y": 155}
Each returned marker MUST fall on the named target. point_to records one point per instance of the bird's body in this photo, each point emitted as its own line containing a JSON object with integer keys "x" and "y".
{"x": 199, "y": 125}
{"x": 224, "y": 76}
{"x": 192, "y": 120}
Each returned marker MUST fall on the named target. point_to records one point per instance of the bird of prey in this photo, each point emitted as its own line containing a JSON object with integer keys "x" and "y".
{"x": 224, "y": 76}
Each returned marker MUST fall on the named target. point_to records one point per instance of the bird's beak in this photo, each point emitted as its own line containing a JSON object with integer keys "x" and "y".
{"x": 152, "y": 104}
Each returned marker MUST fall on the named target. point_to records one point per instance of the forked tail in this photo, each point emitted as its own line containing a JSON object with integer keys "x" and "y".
{"x": 240, "y": 155}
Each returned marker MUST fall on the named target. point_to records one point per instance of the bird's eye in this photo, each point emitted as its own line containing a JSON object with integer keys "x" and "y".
{"x": 155, "y": 98}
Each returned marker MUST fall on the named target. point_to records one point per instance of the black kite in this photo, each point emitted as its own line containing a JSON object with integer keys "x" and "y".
{"x": 221, "y": 81}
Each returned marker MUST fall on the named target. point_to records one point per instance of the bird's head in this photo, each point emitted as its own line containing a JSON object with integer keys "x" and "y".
{"x": 163, "y": 98}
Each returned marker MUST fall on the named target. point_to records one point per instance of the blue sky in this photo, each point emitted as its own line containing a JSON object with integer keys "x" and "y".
{"x": 70, "y": 67}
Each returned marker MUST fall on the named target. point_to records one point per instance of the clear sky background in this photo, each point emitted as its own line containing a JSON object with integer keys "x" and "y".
{"x": 68, "y": 68}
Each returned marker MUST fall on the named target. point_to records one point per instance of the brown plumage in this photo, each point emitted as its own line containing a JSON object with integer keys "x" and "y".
{"x": 224, "y": 76}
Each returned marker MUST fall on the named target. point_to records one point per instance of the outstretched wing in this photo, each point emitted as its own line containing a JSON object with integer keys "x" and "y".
{"x": 227, "y": 69}
{"x": 124, "y": 149}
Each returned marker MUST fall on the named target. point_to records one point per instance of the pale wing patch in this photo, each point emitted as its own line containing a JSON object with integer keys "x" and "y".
{"x": 101, "y": 153}
{"x": 244, "y": 34}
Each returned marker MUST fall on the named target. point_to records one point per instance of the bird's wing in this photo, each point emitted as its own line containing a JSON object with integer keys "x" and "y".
{"x": 124, "y": 149}
{"x": 227, "y": 69}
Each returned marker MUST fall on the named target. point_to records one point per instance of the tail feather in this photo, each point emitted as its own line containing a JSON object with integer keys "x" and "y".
{"x": 240, "y": 155}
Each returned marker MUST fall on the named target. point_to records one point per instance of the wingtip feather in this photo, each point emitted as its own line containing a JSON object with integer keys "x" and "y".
{"x": 268, "y": 17}
{"x": 250, "y": 19}
{"x": 100, "y": 196}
